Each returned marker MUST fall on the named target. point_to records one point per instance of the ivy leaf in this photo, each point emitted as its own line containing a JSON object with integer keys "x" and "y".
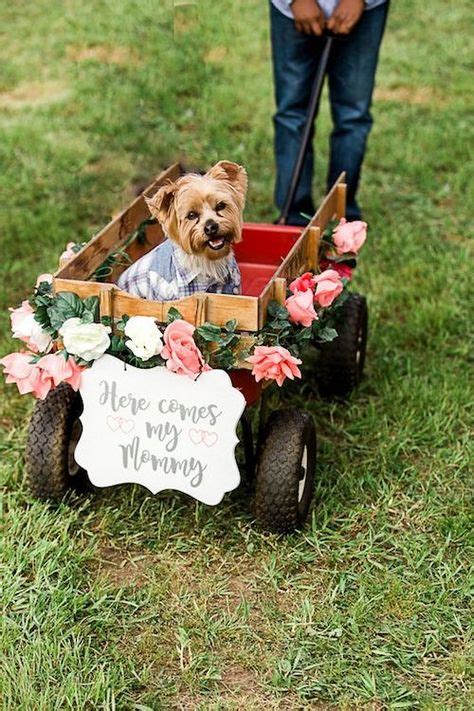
{"x": 122, "y": 322}
{"x": 225, "y": 358}
{"x": 87, "y": 317}
{"x": 91, "y": 304}
{"x": 327, "y": 334}
{"x": 231, "y": 325}
{"x": 209, "y": 332}
{"x": 117, "y": 344}
{"x": 304, "y": 334}
{"x": 277, "y": 311}
{"x": 173, "y": 315}
{"x": 44, "y": 289}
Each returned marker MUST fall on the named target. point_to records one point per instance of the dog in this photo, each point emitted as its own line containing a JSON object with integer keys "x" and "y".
{"x": 201, "y": 216}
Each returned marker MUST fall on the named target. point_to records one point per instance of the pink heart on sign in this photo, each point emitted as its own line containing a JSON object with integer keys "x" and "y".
{"x": 126, "y": 425}
{"x": 196, "y": 435}
{"x": 210, "y": 438}
{"x": 113, "y": 423}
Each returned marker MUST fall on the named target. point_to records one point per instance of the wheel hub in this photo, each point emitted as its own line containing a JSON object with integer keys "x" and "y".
{"x": 303, "y": 473}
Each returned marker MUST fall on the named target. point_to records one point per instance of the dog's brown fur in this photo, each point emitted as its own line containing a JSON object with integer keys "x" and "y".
{"x": 185, "y": 206}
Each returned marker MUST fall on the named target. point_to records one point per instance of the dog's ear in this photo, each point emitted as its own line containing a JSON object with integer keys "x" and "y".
{"x": 232, "y": 173}
{"x": 161, "y": 203}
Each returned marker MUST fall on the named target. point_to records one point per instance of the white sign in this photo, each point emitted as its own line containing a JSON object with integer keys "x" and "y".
{"x": 159, "y": 429}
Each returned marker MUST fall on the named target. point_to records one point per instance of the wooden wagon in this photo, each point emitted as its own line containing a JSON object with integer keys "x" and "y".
{"x": 269, "y": 256}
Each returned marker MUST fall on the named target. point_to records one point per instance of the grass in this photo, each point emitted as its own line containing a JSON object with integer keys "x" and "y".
{"x": 125, "y": 601}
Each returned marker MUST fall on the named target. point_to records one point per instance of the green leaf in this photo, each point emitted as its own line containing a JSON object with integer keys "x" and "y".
{"x": 231, "y": 325}
{"x": 173, "y": 315}
{"x": 87, "y": 317}
{"x": 209, "y": 332}
{"x": 64, "y": 306}
{"x": 326, "y": 335}
{"x": 305, "y": 334}
{"x": 277, "y": 311}
{"x": 225, "y": 358}
{"x": 42, "y": 317}
{"x": 122, "y": 322}
{"x": 91, "y": 303}
{"x": 117, "y": 344}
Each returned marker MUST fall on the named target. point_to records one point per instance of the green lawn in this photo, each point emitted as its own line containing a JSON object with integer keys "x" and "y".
{"x": 121, "y": 600}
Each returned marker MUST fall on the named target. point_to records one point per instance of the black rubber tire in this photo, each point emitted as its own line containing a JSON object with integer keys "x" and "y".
{"x": 279, "y": 507}
{"x": 246, "y": 443}
{"x": 341, "y": 362}
{"x": 50, "y": 467}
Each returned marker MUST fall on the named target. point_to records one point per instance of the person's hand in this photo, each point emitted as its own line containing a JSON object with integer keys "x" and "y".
{"x": 345, "y": 16}
{"x": 309, "y": 18}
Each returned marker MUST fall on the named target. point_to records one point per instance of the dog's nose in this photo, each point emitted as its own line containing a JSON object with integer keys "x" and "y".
{"x": 211, "y": 228}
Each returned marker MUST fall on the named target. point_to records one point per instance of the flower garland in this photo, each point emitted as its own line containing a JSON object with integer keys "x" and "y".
{"x": 64, "y": 334}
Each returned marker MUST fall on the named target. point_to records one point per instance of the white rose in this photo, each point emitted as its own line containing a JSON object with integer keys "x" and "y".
{"x": 86, "y": 340}
{"x": 145, "y": 337}
{"x": 30, "y": 331}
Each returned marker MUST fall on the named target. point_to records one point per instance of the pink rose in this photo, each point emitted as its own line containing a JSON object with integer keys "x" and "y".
{"x": 302, "y": 283}
{"x": 27, "y": 329}
{"x": 274, "y": 363}
{"x": 349, "y": 236}
{"x": 300, "y": 307}
{"x": 343, "y": 269}
{"x": 68, "y": 253}
{"x": 328, "y": 286}
{"x": 61, "y": 370}
{"x": 44, "y": 277}
{"x": 29, "y": 378}
{"x": 180, "y": 351}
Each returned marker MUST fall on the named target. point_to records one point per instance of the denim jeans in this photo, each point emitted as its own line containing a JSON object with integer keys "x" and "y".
{"x": 351, "y": 77}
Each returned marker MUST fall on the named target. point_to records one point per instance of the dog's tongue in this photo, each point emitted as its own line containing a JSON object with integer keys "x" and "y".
{"x": 216, "y": 243}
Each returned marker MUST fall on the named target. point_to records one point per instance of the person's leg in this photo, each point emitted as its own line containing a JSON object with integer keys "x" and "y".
{"x": 295, "y": 58}
{"x": 351, "y": 72}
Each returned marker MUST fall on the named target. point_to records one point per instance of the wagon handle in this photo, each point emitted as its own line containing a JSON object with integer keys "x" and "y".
{"x": 313, "y": 106}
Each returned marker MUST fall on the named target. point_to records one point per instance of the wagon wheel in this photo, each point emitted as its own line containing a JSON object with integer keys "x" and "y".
{"x": 341, "y": 362}
{"x": 285, "y": 473}
{"x": 53, "y": 433}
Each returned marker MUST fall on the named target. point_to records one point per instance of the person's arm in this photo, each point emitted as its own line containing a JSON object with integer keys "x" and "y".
{"x": 345, "y": 16}
{"x": 309, "y": 18}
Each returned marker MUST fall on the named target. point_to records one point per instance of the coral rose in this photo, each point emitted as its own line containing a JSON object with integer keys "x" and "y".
{"x": 349, "y": 236}
{"x": 328, "y": 286}
{"x": 301, "y": 309}
{"x": 27, "y": 376}
{"x": 180, "y": 351}
{"x": 27, "y": 329}
{"x": 274, "y": 363}
{"x": 343, "y": 269}
{"x": 302, "y": 283}
{"x": 61, "y": 370}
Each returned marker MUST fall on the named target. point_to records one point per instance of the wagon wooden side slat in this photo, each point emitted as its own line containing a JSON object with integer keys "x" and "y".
{"x": 115, "y": 234}
{"x": 250, "y": 311}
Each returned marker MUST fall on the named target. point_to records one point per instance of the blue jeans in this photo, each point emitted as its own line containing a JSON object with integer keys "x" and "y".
{"x": 351, "y": 76}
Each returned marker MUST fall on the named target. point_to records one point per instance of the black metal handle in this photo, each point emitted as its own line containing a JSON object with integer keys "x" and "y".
{"x": 313, "y": 106}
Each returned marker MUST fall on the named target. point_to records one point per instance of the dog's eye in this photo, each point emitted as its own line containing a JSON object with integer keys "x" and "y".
{"x": 220, "y": 206}
{"x": 192, "y": 215}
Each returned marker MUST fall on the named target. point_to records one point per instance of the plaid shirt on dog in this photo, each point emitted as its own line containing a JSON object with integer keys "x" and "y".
{"x": 160, "y": 276}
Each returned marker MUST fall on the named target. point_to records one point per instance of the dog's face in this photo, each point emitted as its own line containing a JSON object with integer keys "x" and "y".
{"x": 203, "y": 213}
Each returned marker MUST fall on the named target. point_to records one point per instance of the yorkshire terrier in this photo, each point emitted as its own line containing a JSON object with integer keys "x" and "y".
{"x": 201, "y": 216}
